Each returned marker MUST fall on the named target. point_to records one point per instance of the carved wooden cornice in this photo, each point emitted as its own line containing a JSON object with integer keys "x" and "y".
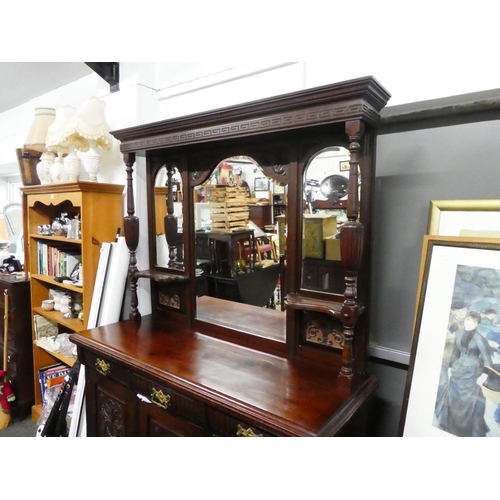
{"x": 360, "y": 99}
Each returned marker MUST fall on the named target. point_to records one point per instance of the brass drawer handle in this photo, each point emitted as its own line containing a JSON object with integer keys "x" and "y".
{"x": 240, "y": 432}
{"x": 160, "y": 399}
{"x": 102, "y": 367}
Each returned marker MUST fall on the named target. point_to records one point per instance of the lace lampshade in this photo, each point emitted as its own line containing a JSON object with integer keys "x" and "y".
{"x": 90, "y": 124}
{"x": 89, "y": 131}
{"x": 58, "y": 140}
{"x": 57, "y": 135}
{"x": 36, "y": 141}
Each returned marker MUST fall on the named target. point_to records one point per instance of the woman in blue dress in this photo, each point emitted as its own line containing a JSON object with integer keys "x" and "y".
{"x": 461, "y": 405}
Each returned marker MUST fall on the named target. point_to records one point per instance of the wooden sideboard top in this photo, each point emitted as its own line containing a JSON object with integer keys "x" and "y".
{"x": 13, "y": 278}
{"x": 291, "y": 396}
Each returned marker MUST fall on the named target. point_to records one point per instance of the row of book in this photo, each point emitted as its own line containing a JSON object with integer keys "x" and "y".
{"x": 56, "y": 261}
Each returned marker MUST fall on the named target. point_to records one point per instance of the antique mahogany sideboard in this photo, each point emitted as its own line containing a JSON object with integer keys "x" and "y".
{"x": 202, "y": 366}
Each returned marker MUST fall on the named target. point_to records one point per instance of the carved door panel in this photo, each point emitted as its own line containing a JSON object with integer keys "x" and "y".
{"x": 114, "y": 407}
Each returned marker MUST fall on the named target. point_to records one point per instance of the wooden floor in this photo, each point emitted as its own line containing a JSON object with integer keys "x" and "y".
{"x": 242, "y": 317}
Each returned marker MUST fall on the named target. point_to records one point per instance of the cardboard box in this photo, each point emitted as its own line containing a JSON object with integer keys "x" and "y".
{"x": 332, "y": 248}
{"x": 316, "y": 228}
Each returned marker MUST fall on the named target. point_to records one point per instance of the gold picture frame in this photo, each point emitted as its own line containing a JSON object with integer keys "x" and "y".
{"x": 467, "y": 218}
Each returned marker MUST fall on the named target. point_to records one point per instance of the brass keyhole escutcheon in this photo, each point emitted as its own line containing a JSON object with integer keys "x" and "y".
{"x": 102, "y": 367}
{"x": 241, "y": 432}
{"x": 160, "y": 399}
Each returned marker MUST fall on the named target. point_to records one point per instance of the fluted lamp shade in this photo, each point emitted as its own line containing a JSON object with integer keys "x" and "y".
{"x": 36, "y": 139}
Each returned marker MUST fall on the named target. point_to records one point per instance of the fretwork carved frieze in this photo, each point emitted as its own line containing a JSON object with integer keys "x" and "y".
{"x": 331, "y": 113}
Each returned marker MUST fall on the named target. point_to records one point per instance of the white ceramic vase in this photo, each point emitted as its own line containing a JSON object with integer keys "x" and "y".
{"x": 43, "y": 168}
{"x": 57, "y": 171}
{"x": 92, "y": 163}
{"x": 72, "y": 166}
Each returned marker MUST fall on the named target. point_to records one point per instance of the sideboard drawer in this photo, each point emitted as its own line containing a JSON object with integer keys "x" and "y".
{"x": 225, "y": 425}
{"x": 169, "y": 400}
{"x": 157, "y": 422}
{"x": 105, "y": 367}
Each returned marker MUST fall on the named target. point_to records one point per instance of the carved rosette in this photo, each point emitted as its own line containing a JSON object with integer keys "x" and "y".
{"x": 110, "y": 417}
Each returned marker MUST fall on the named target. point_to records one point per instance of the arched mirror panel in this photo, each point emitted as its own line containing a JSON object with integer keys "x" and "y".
{"x": 169, "y": 220}
{"x": 324, "y": 199}
{"x": 237, "y": 246}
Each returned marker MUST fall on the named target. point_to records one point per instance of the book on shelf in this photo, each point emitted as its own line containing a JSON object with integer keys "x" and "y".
{"x": 52, "y": 376}
{"x": 56, "y": 261}
{"x": 44, "y": 327}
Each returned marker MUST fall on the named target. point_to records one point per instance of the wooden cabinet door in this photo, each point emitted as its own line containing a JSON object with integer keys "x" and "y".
{"x": 110, "y": 407}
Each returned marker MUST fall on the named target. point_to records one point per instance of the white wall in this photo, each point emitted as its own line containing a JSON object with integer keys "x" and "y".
{"x": 156, "y": 91}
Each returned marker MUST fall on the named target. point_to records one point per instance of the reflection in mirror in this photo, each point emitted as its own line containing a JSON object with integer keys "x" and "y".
{"x": 324, "y": 197}
{"x": 237, "y": 247}
{"x": 169, "y": 254}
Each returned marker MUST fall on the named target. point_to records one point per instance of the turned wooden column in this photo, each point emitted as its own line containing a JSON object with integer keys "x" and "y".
{"x": 351, "y": 251}
{"x": 170, "y": 220}
{"x": 131, "y": 230}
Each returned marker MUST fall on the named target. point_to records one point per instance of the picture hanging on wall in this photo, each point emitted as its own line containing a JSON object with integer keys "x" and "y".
{"x": 344, "y": 166}
{"x": 278, "y": 188}
{"x": 470, "y": 218}
{"x": 453, "y": 383}
{"x": 261, "y": 184}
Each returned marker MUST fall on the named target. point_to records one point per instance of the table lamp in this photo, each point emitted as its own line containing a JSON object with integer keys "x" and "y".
{"x": 36, "y": 141}
{"x": 59, "y": 141}
{"x": 89, "y": 131}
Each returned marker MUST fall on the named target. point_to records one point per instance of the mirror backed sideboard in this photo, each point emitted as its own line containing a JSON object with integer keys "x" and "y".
{"x": 259, "y": 223}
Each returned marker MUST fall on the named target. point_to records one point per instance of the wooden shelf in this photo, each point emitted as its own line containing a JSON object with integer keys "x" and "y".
{"x": 74, "y": 324}
{"x": 60, "y": 357}
{"x": 51, "y": 281}
{"x": 36, "y": 411}
{"x": 56, "y": 239}
{"x": 100, "y": 209}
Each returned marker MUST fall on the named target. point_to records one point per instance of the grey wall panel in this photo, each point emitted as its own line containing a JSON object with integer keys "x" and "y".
{"x": 413, "y": 168}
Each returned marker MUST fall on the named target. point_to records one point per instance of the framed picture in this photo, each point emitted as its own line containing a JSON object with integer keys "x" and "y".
{"x": 170, "y": 296}
{"x": 453, "y": 384}
{"x": 278, "y": 188}
{"x": 261, "y": 184}
{"x": 467, "y": 218}
{"x": 344, "y": 166}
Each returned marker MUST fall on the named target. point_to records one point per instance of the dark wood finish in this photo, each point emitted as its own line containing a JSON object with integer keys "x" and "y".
{"x": 213, "y": 385}
{"x": 271, "y": 322}
{"x": 315, "y": 270}
{"x": 261, "y": 215}
{"x": 20, "y": 349}
{"x": 234, "y": 379}
{"x": 225, "y": 250}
